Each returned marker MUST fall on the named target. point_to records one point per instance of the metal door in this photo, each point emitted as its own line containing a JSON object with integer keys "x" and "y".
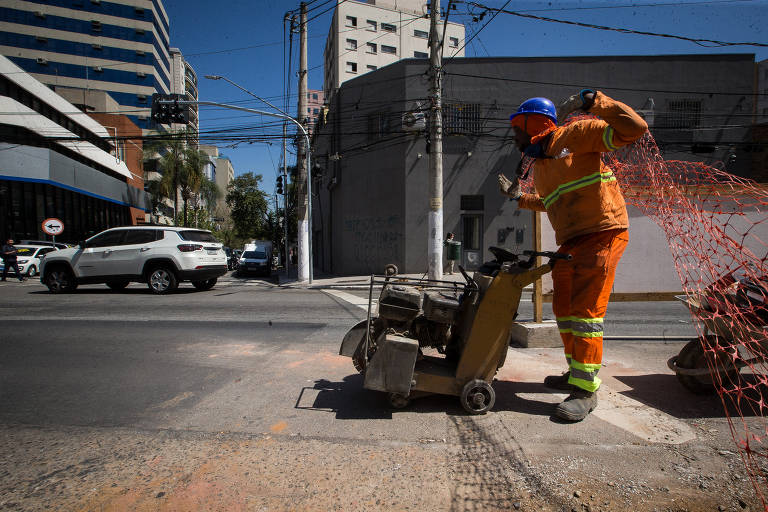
{"x": 472, "y": 241}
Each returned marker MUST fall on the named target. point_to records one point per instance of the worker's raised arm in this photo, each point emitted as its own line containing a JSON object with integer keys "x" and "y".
{"x": 618, "y": 125}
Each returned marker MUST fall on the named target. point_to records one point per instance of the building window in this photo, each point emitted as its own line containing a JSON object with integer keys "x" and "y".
{"x": 351, "y": 21}
{"x": 371, "y": 67}
{"x": 388, "y": 27}
{"x": 351, "y": 44}
{"x": 371, "y": 25}
{"x": 351, "y": 67}
{"x": 371, "y": 48}
{"x": 472, "y": 203}
{"x": 453, "y": 42}
{"x": 461, "y": 118}
{"x": 315, "y": 111}
{"x": 681, "y": 114}
{"x": 377, "y": 125}
{"x": 421, "y": 34}
{"x": 314, "y": 95}
{"x": 420, "y": 55}
{"x": 388, "y": 49}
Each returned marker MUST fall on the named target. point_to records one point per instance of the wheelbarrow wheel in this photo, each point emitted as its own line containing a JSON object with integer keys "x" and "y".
{"x": 398, "y": 401}
{"x": 694, "y": 356}
{"x": 477, "y": 397}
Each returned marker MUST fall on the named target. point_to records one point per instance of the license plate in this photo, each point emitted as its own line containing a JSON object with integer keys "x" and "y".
{"x": 212, "y": 253}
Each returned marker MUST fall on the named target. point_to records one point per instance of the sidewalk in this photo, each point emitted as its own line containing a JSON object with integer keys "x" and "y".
{"x": 328, "y": 281}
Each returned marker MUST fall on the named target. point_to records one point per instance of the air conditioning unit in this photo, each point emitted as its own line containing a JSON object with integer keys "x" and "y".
{"x": 98, "y": 69}
{"x": 414, "y": 121}
{"x": 42, "y": 61}
{"x": 141, "y": 74}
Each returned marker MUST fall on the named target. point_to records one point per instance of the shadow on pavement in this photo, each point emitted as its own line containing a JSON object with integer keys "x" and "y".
{"x": 665, "y": 393}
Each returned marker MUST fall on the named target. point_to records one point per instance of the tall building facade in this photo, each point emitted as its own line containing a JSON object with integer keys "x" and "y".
{"x": 121, "y": 48}
{"x": 184, "y": 82}
{"x": 315, "y": 101}
{"x": 367, "y": 35}
{"x": 58, "y": 162}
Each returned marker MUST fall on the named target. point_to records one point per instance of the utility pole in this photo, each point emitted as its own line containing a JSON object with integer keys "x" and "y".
{"x": 435, "y": 224}
{"x": 302, "y": 185}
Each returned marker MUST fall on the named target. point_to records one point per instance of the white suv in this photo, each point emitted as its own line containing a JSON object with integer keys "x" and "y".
{"x": 160, "y": 256}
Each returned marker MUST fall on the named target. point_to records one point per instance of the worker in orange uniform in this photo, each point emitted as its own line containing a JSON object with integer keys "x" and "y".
{"x": 588, "y": 214}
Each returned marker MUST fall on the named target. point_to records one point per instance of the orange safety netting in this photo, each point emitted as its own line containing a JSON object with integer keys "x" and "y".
{"x": 716, "y": 225}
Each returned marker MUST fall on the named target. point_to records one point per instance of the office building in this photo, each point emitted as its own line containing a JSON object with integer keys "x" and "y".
{"x": 367, "y": 35}
{"x": 56, "y": 161}
{"x": 118, "y": 47}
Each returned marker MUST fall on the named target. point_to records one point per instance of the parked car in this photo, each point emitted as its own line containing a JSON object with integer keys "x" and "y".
{"x": 28, "y": 257}
{"x": 160, "y": 256}
{"x": 58, "y": 245}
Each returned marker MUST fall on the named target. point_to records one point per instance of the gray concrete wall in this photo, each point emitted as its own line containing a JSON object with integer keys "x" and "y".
{"x": 387, "y": 187}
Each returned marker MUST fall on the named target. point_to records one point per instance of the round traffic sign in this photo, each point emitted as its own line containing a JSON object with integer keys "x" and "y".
{"x": 53, "y": 226}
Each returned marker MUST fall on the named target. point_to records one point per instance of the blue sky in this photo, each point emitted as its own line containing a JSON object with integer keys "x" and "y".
{"x": 244, "y": 41}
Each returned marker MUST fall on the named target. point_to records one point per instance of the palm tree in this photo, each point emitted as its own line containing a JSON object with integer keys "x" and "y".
{"x": 171, "y": 151}
{"x": 190, "y": 176}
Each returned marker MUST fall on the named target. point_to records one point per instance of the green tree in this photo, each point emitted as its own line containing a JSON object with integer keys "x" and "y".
{"x": 249, "y": 206}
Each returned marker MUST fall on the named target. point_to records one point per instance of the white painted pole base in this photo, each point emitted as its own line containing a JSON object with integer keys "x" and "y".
{"x": 435, "y": 254}
{"x": 303, "y": 249}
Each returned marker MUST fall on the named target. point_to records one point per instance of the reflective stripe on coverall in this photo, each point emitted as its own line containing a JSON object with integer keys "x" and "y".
{"x": 582, "y": 286}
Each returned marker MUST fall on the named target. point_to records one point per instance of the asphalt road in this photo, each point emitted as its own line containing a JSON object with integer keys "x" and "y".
{"x": 236, "y": 399}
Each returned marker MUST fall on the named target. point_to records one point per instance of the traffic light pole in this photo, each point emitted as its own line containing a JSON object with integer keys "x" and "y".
{"x": 305, "y": 256}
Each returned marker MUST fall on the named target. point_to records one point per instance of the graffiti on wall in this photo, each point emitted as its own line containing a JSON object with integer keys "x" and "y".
{"x": 373, "y": 240}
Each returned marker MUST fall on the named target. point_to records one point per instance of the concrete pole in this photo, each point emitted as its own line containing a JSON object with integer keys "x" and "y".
{"x": 435, "y": 224}
{"x": 302, "y": 205}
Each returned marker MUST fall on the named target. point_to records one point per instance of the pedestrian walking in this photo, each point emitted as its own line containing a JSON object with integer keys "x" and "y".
{"x": 586, "y": 208}
{"x": 450, "y": 253}
{"x": 8, "y": 253}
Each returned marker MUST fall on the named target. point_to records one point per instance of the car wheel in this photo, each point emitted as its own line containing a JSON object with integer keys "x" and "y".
{"x": 32, "y": 272}
{"x": 205, "y": 285}
{"x": 117, "y": 285}
{"x": 60, "y": 280}
{"x": 162, "y": 280}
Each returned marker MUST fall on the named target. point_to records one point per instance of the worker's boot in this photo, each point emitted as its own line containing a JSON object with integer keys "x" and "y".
{"x": 558, "y": 381}
{"x": 577, "y": 406}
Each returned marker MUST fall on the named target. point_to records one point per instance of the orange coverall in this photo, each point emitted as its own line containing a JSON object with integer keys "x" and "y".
{"x": 588, "y": 214}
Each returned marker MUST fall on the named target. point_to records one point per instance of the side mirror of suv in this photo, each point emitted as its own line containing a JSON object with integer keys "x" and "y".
{"x": 81, "y": 244}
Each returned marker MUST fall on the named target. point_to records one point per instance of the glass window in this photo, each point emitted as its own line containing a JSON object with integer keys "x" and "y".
{"x": 371, "y": 48}
{"x": 420, "y": 33}
{"x": 351, "y": 67}
{"x": 453, "y": 42}
{"x": 371, "y": 67}
{"x": 351, "y": 21}
{"x": 314, "y": 95}
{"x": 388, "y": 49}
{"x": 420, "y": 55}
{"x": 388, "y": 27}
{"x": 351, "y": 44}
{"x": 254, "y": 255}
{"x": 140, "y": 236}
{"x": 197, "y": 236}
{"x": 44, "y": 251}
{"x": 107, "y": 239}
{"x": 371, "y": 25}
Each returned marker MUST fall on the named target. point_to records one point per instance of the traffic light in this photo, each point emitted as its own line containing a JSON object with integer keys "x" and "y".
{"x": 166, "y": 109}
{"x": 279, "y": 187}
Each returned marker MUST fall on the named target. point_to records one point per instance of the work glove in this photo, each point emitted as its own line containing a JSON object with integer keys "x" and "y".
{"x": 582, "y": 101}
{"x": 509, "y": 187}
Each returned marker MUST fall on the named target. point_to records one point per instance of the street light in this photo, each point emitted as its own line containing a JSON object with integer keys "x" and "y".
{"x": 304, "y": 232}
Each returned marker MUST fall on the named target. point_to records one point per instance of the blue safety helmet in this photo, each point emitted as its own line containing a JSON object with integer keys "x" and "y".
{"x": 537, "y": 106}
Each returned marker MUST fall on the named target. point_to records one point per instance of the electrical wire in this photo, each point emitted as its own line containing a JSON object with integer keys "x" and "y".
{"x": 707, "y": 43}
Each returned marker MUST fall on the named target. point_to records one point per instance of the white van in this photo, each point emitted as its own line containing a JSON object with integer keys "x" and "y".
{"x": 256, "y": 258}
